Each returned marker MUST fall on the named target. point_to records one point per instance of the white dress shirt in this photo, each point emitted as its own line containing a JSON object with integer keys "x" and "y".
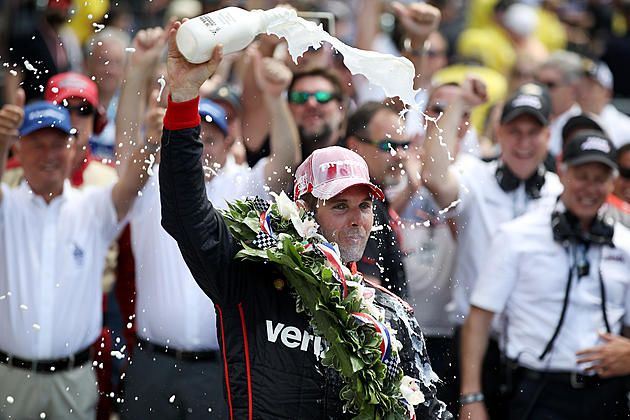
{"x": 483, "y": 207}
{"x": 525, "y": 275}
{"x": 51, "y": 263}
{"x": 616, "y": 124}
{"x": 171, "y": 309}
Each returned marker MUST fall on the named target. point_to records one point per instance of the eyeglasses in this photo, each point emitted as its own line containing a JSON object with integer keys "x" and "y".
{"x": 302, "y": 97}
{"x": 387, "y": 145}
{"x": 82, "y": 110}
{"x": 550, "y": 85}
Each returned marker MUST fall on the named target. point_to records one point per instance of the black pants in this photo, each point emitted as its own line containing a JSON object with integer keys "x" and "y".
{"x": 443, "y": 356}
{"x": 493, "y": 379}
{"x": 159, "y": 386}
{"x": 545, "y": 399}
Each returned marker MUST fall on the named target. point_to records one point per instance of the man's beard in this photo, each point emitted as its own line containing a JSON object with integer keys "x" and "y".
{"x": 312, "y": 141}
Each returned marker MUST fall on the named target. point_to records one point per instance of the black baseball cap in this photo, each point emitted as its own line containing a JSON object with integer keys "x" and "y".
{"x": 530, "y": 98}
{"x": 587, "y": 146}
{"x": 583, "y": 121}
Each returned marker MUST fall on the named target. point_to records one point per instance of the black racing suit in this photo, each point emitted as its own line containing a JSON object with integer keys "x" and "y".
{"x": 271, "y": 358}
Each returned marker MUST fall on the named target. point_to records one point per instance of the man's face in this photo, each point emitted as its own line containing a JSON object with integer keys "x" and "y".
{"x": 436, "y": 55}
{"x": 215, "y": 148}
{"x": 586, "y": 187}
{"x": 563, "y": 94}
{"x": 384, "y": 165}
{"x": 592, "y": 96}
{"x": 82, "y": 116}
{"x": 622, "y": 184}
{"x": 107, "y": 64}
{"x": 523, "y": 144}
{"x": 440, "y": 99}
{"x": 46, "y": 156}
{"x": 347, "y": 219}
{"x": 316, "y": 121}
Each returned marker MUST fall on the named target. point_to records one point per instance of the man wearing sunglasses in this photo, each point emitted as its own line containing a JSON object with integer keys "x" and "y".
{"x": 375, "y": 134}
{"x": 317, "y": 104}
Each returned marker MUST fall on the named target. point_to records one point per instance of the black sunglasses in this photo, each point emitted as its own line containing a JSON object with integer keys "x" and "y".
{"x": 82, "y": 110}
{"x": 299, "y": 98}
{"x": 387, "y": 145}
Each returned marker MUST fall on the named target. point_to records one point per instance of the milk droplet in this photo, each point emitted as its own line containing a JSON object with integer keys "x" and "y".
{"x": 172, "y": 399}
{"x": 37, "y": 327}
{"x": 24, "y": 307}
{"x": 10, "y": 399}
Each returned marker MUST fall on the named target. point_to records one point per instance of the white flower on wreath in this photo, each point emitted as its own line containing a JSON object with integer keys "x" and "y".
{"x": 306, "y": 228}
{"x": 411, "y": 390}
{"x": 367, "y": 295}
{"x": 286, "y": 207}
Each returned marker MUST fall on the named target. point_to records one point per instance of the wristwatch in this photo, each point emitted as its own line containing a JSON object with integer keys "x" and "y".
{"x": 471, "y": 398}
{"x": 407, "y": 47}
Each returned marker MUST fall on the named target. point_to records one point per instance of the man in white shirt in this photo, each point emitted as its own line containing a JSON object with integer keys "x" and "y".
{"x": 560, "y": 73}
{"x": 561, "y": 276}
{"x": 53, "y": 242}
{"x": 486, "y": 194}
{"x": 594, "y": 94}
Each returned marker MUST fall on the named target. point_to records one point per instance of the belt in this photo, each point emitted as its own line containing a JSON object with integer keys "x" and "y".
{"x": 47, "y": 366}
{"x": 189, "y": 356}
{"x": 573, "y": 379}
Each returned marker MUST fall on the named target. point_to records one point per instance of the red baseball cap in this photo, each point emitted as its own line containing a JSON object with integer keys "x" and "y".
{"x": 331, "y": 170}
{"x": 71, "y": 84}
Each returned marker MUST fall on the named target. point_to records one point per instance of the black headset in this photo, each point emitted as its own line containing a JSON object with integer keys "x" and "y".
{"x": 566, "y": 229}
{"x": 509, "y": 182}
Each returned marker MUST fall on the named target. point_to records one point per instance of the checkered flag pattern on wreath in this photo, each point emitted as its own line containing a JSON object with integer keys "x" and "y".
{"x": 392, "y": 367}
{"x": 259, "y": 204}
{"x": 310, "y": 215}
{"x": 263, "y": 240}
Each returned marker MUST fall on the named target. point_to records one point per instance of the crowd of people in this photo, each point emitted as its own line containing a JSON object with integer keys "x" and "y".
{"x": 490, "y": 220}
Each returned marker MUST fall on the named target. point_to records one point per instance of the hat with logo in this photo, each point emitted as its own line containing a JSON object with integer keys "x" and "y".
{"x": 71, "y": 84}
{"x": 228, "y": 94}
{"x": 599, "y": 71}
{"x": 583, "y": 121}
{"x": 213, "y": 113}
{"x": 587, "y": 146}
{"x": 43, "y": 114}
{"x": 529, "y": 99}
{"x": 331, "y": 170}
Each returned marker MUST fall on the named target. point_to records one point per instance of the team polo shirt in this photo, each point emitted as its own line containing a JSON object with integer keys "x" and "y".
{"x": 482, "y": 209}
{"x": 51, "y": 263}
{"x": 525, "y": 275}
{"x": 171, "y": 309}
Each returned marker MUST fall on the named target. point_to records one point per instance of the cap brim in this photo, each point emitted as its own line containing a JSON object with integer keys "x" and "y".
{"x": 524, "y": 111}
{"x": 330, "y": 189}
{"x": 35, "y": 127}
{"x": 592, "y": 158}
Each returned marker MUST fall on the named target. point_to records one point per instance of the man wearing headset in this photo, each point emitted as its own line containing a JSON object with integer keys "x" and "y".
{"x": 485, "y": 194}
{"x": 561, "y": 277}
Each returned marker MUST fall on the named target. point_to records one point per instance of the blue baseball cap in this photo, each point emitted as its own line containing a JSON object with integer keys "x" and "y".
{"x": 213, "y": 113}
{"x": 44, "y": 114}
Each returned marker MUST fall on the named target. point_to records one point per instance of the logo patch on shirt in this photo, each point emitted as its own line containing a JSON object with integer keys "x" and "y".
{"x": 615, "y": 257}
{"x": 78, "y": 255}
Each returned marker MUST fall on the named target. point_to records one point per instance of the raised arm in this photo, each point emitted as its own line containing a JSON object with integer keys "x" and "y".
{"x": 273, "y": 77}
{"x": 11, "y": 116}
{"x": 418, "y": 21}
{"x": 203, "y": 238}
{"x": 147, "y": 47}
{"x": 441, "y": 142}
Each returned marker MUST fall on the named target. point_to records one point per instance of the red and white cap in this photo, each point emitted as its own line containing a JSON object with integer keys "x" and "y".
{"x": 331, "y": 170}
{"x": 71, "y": 84}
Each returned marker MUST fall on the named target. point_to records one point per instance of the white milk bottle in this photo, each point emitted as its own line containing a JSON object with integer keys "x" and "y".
{"x": 233, "y": 27}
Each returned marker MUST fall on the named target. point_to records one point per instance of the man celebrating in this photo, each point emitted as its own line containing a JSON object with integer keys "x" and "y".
{"x": 271, "y": 360}
{"x": 53, "y": 242}
{"x": 561, "y": 275}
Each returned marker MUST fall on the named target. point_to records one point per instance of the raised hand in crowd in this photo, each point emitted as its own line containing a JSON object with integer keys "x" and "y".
{"x": 146, "y": 49}
{"x": 153, "y": 120}
{"x": 11, "y": 117}
{"x": 442, "y": 138}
